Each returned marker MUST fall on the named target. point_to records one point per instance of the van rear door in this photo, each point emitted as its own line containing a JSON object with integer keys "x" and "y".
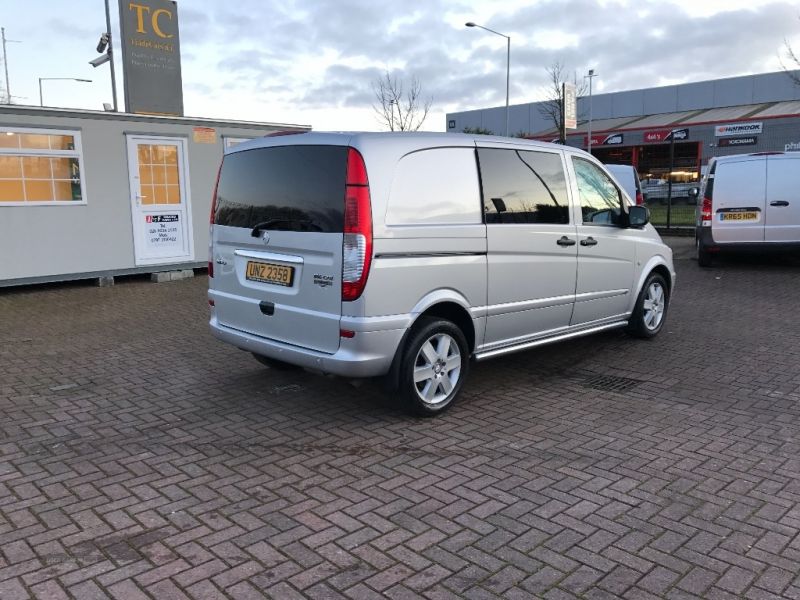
{"x": 783, "y": 199}
{"x": 277, "y": 243}
{"x": 739, "y": 199}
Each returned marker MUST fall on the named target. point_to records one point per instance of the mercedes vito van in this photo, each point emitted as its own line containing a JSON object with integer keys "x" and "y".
{"x": 749, "y": 202}
{"x": 407, "y": 255}
{"x": 628, "y": 178}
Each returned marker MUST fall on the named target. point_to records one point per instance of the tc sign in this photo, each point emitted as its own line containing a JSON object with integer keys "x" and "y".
{"x": 143, "y": 10}
{"x": 151, "y": 56}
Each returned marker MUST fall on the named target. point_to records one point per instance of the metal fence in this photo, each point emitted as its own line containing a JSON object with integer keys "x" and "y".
{"x": 677, "y": 211}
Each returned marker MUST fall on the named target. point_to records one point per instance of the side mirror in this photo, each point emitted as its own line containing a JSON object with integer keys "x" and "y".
{"x": 638, "y": 216}
{"x": 694, "y": 192}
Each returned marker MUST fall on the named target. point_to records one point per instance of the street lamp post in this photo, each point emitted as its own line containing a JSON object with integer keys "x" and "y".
{"x": 591, "y": 75}
{"x": 41, "y": 79}
{"x": 508, "y": 60}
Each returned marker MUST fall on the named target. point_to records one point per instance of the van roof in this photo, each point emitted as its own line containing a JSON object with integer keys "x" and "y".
{"x": 750, "y": 155}
{"x": 408, "y": 140}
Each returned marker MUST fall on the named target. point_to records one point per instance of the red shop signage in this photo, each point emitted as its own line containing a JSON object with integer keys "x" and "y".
{"x": 663, "y": 135}
{"x": 614, "y": 139}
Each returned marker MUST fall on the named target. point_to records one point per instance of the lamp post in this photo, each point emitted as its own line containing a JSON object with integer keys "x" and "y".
{"x": 508, "y": 60}
{"x": 41, "y": 79}
{"x": 591, "y": 75}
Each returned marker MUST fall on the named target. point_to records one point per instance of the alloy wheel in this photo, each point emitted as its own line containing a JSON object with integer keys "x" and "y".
{"x": 437, "y": 368}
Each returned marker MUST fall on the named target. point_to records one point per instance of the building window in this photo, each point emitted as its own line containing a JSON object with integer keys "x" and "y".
{"x": 39, "y": 166}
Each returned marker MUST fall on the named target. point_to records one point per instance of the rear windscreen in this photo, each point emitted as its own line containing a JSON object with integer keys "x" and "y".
{"x": 295, "y": 188}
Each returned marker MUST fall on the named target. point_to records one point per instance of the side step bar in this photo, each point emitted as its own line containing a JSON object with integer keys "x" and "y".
{"x": 550, "y": 340}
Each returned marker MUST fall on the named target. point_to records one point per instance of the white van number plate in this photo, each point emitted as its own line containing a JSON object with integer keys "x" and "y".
{"x": 739, "y": 216}
{"x": 269, "y": 273}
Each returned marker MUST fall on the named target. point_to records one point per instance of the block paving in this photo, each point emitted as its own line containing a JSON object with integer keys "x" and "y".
{"x": 142, "y": 459}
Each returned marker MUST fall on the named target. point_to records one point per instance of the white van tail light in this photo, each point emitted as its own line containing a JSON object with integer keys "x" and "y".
{"x": 705, "y": 212}
{"x": 210, "y": 228}
{"x": 357, "y": 245}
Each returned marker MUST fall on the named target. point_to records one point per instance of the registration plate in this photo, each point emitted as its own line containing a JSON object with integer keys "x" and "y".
{"x": 739, "y": 216}
{"x": 269, "y": 273}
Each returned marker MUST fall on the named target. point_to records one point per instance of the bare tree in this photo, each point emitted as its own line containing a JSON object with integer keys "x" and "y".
{"x": 552, "y": 107}
{"x": 794, "y": 63}
{"x": 399, "y": 106}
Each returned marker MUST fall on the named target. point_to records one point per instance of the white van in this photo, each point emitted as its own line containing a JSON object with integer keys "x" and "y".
{"x": 628, "y": 178}
{"x": 749, "y": 202}
{"x": 407, "y": 255}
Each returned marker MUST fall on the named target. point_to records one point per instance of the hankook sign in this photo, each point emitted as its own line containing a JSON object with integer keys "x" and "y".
{"x": 151, "y": 56}
{"x": 751, "y": 128}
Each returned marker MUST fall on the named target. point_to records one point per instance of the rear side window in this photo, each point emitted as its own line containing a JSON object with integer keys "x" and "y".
{"x": 435, "y": 186}
{"x": 296, "y": 188}
{"x": 521, "y": 186}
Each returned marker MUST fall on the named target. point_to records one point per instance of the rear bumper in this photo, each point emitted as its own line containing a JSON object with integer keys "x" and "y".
{"x": 368, "y": 354}
{"x": 706, "y": 239}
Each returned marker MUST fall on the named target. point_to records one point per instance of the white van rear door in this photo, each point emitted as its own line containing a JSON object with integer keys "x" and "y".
{"x": 740, "y": 189}
{"x": 782, "y": 223}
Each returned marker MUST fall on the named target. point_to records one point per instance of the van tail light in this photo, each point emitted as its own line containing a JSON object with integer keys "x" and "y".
{"x": 210, "y": 228}
{"x": 357, "y": 244}
{"x": 639, "y": 198}
{"x": 705, "y": 213}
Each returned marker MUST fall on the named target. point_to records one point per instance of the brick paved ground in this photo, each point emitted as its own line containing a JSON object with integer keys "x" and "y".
{"x": 139, "y": 458}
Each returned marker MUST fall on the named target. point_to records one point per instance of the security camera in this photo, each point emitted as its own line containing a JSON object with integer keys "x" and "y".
{"x": 101, "y": 45}
{"x": 100, "y": 60}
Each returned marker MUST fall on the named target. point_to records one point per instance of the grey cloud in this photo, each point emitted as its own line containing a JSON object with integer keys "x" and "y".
{"x": 260, "y": 40}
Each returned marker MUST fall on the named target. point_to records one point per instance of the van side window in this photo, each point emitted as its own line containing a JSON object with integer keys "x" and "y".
{"x": 521, "y": 186}
{"x": 601, "y": 203}
{"x": 435, "y": 186}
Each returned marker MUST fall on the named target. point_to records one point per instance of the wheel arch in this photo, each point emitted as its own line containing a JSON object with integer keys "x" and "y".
{"x": 656, "y": 264}
{"x": 444, "y": 304}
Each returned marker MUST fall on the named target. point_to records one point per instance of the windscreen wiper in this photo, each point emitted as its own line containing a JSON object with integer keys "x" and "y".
{"x": 285, "y": 225}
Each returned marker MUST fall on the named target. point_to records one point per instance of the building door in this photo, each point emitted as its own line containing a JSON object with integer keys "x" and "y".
{"x": 160, "y": 208}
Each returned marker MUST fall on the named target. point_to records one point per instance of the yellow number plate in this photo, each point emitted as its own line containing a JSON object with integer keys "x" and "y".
{"x": 738, "y": 216}
{"x": 269, "y": 273}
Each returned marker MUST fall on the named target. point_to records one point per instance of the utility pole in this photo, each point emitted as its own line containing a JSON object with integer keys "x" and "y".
{"x": 111, "y": 59}
{"x": 591, "y": 75}
{"x": 5, "y": 63}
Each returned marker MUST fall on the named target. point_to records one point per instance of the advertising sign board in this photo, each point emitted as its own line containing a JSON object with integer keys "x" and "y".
{"x": 151, "y": 57}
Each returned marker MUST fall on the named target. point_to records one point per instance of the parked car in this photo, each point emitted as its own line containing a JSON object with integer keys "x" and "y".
{"x": 408, "y": 255}
{"x": 658, "y": 192}
{"x": 749, "y": 202}
{"x": 628, "y": 178}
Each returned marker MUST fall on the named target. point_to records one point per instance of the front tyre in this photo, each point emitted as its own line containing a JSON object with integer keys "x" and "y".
{"x": 434, "y": 366}
{"x": 650, "y": 311}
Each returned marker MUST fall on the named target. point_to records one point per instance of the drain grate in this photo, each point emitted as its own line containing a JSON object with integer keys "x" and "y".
{"x": 610, "y": 383}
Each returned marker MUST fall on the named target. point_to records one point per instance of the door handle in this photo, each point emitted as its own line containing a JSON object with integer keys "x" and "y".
{"x": 589, "y": 241}
{"x": 779, "y": 203}
{"x": 565, "y": 241}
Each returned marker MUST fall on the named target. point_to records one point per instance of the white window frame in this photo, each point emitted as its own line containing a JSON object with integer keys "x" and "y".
{"x": 77, "y": 153}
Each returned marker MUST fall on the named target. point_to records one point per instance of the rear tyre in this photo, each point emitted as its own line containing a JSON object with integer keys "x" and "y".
{"x": 650, "y": 311}
{"x": 703, "y": 255}
{"x": 434, "y": 365}
{"x": 274, "y": 364}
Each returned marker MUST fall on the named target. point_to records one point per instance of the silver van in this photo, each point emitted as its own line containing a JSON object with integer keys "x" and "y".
{"x": 628, "y": 178}
{"x": 407, "y": 255}
{"x": 748, "y": 202}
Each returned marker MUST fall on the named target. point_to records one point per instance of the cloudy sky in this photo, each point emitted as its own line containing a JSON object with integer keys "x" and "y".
{"x": 314, "y": 61}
